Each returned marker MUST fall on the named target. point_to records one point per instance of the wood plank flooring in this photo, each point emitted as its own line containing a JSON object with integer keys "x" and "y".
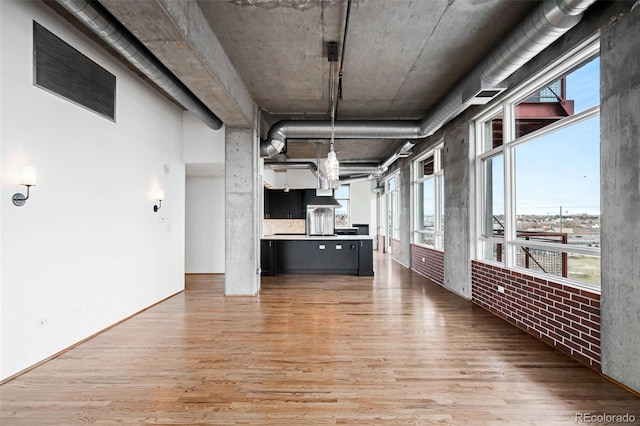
{"x": 311, "y": 349}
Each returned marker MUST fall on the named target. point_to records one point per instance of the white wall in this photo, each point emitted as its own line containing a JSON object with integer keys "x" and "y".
{"x": 361, "y": 202}
{"x": 204, "y": 249}
{"x": 203, "y": 147}
{"x": 203, "y": 153}
{"x": 86, "y": 250}
{"x": 295, "y": 178}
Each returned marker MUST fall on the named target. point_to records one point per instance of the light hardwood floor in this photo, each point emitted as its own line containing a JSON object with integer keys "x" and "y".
{"x": 389, "y": 349}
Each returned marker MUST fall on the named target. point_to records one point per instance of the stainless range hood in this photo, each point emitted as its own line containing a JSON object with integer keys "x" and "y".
{"x": 324, "y": 198}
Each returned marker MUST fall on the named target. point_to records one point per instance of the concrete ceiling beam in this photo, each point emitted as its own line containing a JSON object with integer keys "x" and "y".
{"x": 178, "y": 34}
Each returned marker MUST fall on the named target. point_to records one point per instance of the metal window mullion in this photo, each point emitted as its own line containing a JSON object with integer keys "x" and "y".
{"x": 416, "y": 207}
{"x": 557, "y": 247}
{"x": 508, "y": 131}
{"x": 436, "y": 207}
{"x": 438, "y": 175}
{"x": 561, "y": 124}
{"x": 480, "y": 188}
{"x": 415, "y": 203}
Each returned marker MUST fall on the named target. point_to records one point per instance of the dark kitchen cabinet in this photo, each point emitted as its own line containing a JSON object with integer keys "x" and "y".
{"x": 267, "y": 260}
{"x": 307, "y": 196}
{"x": 296, "y": 210}
{"x": 284, "y": 205}
{"x": 317, "y": 256}
{"x": 278, "y": 205}
{"x": 304, "y": 255}
{"x": 267, "y": 203}
{"x": 365, "y": 257}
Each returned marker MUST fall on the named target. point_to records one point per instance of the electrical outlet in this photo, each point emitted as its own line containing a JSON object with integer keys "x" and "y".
{"x": 423, "y": 259}
{"x": 41, "y": 322}
{"x": 500, "y": 289}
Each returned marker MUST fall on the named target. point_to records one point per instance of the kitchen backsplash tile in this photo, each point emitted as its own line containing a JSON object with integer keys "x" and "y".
{"x": 282, "y": 226}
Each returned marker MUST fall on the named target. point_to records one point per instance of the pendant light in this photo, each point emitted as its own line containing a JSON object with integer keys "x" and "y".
{"x": 331, "y": 165}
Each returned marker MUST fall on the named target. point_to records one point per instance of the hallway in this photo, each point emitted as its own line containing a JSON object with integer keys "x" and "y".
{"x": 310, "y": 349}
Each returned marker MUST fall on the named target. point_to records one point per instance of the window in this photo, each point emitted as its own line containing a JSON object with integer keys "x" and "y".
{"x": 392, "y": 201}
{"x": 493, "y": 206}
{"x": 342, "y": 213}
{"x": 538, "y": 168}
{"x": 429, "y": 199}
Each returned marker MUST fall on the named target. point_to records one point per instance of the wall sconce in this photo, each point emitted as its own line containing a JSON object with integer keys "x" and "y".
{"x": 159, "y": 197}
{"x": 28, "y": 179}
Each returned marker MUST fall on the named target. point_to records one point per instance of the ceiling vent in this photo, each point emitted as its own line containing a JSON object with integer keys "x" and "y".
{"x": 479, "y": 92}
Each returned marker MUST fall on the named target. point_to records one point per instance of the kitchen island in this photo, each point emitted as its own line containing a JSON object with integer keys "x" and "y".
{"x": 304, "y": 254}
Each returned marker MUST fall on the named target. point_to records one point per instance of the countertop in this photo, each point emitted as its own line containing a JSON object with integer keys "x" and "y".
{"x": 317, "y": 237}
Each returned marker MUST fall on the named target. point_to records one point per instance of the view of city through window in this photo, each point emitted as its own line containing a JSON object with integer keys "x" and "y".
{"x": 555, "y": 179}
{"x": 342, "y": 213}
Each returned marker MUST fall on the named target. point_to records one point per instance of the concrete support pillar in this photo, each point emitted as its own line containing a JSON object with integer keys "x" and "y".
{"x": 241, "y": 212}
{"x": 620, "y": 199}
{"x": 458, "y": 235}
{"x": 406, "y": 223}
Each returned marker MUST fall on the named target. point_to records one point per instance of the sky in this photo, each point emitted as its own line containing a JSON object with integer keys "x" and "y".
{"x": 563, "y": 168}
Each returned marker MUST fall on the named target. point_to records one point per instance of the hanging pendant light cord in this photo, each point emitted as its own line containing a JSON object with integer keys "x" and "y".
{"x": 333, "y": 105}
{"x": 318, "y": 163}
{"x": 332, "y": 166}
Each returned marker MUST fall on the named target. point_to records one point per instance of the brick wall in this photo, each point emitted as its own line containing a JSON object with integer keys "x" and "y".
{"x": 565, "y": 317}
{"x": 381, "y": 246}
{"x": 433, "y": 265}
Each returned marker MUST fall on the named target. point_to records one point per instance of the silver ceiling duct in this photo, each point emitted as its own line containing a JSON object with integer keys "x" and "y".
{"x": 310, "y": 165}
{"x": 112, "y": 32}
{"x": 548, "y": 22}
{"x": 282, "y": 130}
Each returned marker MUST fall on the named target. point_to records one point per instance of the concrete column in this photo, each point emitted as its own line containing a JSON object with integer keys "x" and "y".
{"x": 241, "y": 212}
{"x": 458, "y": 207}
{"x": 620, "y": 199}
{"x": 406, "y": 216}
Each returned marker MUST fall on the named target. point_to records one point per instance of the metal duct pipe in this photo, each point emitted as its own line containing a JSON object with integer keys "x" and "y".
{"x": 297, "y": 129}
{"x": 548, "y": 22}
{"x": 112, "y": 32}
{"x": 348, "y": 169}
{"x": 310, "y": 165}
{"x": 356, "y": 179}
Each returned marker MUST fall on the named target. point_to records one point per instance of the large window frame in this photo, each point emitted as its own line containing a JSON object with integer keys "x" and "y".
{"x": 422, "y": 234}
{"x": 392, "y": 204}
{"x": 345, "y": 203}
{"x": 509, "y": 243}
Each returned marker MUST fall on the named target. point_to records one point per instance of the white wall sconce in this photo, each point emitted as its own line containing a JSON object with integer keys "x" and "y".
{"x": 28, "y": 179}
{"x": 159, "y": 197}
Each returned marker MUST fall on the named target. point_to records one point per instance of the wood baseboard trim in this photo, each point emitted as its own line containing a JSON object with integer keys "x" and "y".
{"x": 86, "y": 339}
{"x": 622, "y": 385}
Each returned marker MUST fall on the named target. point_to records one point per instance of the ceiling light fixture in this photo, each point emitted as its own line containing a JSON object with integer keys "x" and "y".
{"x": 331, "y": 165}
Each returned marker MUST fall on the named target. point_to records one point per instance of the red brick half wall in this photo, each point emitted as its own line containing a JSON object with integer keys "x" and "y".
{"x": 428, "y": 262}
{"x": 565, "y": 317}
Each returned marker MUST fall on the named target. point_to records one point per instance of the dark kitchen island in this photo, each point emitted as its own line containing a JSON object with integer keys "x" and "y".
{"x": 302, "y": 254}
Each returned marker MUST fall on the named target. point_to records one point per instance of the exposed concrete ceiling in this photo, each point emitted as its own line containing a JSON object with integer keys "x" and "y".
{"x": 400, "y": 56}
